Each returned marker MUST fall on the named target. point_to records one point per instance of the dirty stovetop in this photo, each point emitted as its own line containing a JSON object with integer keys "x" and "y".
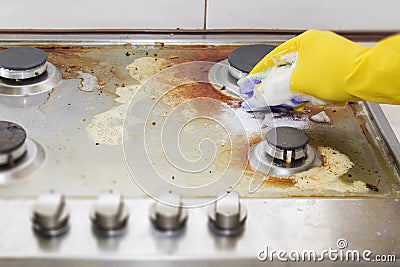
{"x": 179, "y": 130}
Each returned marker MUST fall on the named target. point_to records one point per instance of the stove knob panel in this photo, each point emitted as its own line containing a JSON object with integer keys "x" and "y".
{"x": 228, "y": 215}
{"x": 50, "y": 215}
{"x": 167, "y": 214}
{"x": 109, "y": 215}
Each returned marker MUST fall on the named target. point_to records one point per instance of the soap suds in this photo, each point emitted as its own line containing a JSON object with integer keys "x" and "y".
{"x": 272, "y": 87}
{"x": 320, "y": 117}
{"x": 249, "y": 123}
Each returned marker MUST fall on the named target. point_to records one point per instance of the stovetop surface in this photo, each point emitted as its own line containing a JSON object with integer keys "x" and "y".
{"x": 80, "y": 125}
{"x": 111, "y": 124}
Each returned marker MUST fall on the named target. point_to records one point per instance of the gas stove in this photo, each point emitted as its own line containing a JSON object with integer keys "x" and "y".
{"x": 134, "y": 151}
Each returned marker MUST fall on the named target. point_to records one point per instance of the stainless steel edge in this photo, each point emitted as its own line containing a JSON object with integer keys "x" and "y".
{"x": 386, "y": 131}
{"x": 138, "y": 39}
{"x": 143, "y": 39}
{"x": 281, "y": 224}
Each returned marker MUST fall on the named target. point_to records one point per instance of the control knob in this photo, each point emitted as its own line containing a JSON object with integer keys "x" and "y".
{"x": 167, "y": 214}
{"x": 227, "y": 216}
{"x": 109, "y": 215}
{"x": 50, "y": 215}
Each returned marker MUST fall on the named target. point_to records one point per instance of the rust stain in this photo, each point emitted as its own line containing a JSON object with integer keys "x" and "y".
{"x": 206, "y": 53}
{"x": 361, "y": 124}
{"x": 244, "y": 149}
{"x": 196, "y": 90}
{"x": 110, "y": 70}
{"x": 159, "y": 44}
{"x": 112, "y": 94}
{"x": 254, "y": 139}
{"x": 71, "y": 60}
{"x": 46, "y": 101}
{"x": 279, "y": 182}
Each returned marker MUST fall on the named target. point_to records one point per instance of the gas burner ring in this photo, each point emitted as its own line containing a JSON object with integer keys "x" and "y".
{"x": 19, "y": 63}
{"x": 31, "y": 160}
{"x": 22, "y": 74}
{"x": 14, "y": 155}
{"x": 40, "y": 84}
{"x": 284, "y": 152}
{"x": 225, "y": 74}
{"x": 220, "y": 77}
{"x": 262, "y": 162}
{"x": 12, "y": 143}
{"x": 25, "y": 71}
{"x": 243, "y": 59}
{"x": 19, "y": 155}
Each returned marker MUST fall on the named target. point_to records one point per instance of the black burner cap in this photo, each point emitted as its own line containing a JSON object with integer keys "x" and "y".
{"x": 287, "y": 138}
{"x": 22, "y": 58}
{"x": 246, "y": 57}
{"x": 12, "y": 136}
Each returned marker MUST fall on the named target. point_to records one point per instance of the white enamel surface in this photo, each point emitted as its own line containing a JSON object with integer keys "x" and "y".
{"x": 102, "y": 14}
{"x": 304, "y": 14}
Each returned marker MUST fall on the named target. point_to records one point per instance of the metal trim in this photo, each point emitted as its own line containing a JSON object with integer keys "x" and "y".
{"x": 23, "y": 74}
{"x": 384, "y": 128}
{"x": 37, "y": 85}
{"x": 156, "y": 37}
{"x": 13, "y": 155}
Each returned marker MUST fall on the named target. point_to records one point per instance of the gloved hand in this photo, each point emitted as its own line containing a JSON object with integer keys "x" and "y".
{"x": 321, "y": 67}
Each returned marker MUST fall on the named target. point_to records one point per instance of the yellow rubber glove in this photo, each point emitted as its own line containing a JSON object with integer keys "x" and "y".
{"x": 334, "y": 69}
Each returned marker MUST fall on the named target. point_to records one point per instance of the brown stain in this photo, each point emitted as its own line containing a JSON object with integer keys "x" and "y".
{"x": 200, "y": 90}
{"x": 93, "y": 60}
{"x": 361, "y": 124}
{"x": 71, "y": 60}
{"x": 200, "y": 53}
{"x": 284, "y": 182}
{"x": 46, "y": 101}
{"x": 253, "y": 139}
{"x": 112, "y": 94}
{"x": 290, "y": 114}
{"x": 111, "y": 71}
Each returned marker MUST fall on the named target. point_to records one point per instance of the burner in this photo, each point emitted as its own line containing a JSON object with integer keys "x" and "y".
{"x": 22, "y": 63}
{"x": 284, "y": 152}
{"x": 12, "y": 143}
{"x": 224, "y": 75}
{"x": 221, "y": 79}
{"x": 286, "y": 143}
{"x": 243, "y": 59}
{"x": 25, "y": 71}
{"x": 19, "y": 155}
